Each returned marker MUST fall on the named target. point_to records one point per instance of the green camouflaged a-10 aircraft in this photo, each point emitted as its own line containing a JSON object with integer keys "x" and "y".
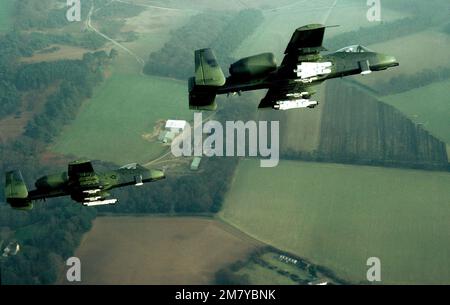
{"x": 291, "y": 84}
{"x": 81, "y": 183}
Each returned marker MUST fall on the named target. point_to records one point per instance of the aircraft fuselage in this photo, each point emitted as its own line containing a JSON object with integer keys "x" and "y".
{"x": 322, "y": 67}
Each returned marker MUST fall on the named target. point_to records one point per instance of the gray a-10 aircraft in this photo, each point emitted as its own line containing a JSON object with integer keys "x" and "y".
{"x": 80, "y": 182}
{"x": 291, "y": 85}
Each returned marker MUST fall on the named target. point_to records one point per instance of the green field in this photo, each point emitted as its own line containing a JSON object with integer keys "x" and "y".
{"x": 6, "y": 10}
{"x": 429, "y": 105}
{"x": 274, "y": 34}
{"x": 409, "y": 51}
{"x": 338, "y": 216}
{"x": 110, "y": 126}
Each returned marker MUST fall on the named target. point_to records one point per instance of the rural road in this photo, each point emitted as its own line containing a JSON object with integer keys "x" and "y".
{"x": 90, "y": 26}
{"x": 141, "y": 61}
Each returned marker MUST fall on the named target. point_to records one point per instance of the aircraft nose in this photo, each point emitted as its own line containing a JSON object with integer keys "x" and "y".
{"x": 384, "y": 62}
{"x": 158, "y": 174}
{"x": 388, "y": 61}
{"x": 391, "y": 61}
{"x": 153, "y": 175}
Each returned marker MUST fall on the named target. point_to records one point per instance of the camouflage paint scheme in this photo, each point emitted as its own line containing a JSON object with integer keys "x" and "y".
{"x": 285, "y": 82}
{"x": 81, "y": 182}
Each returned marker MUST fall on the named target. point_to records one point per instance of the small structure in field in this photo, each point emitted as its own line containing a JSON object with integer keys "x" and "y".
{"x": 176, "y": 126}
{"x": 11, "y": 249}
{"x": 318, "y": 283}
{"x": 195, "y": 165}
{"x": 167, "y": 136}
{"x": 172, "y": 129}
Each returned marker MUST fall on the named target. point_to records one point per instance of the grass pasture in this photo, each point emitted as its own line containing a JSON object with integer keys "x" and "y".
{"x": 158, "y": 250}
{"x": 279, "y": 24}
{"x": 124, "y": 108}
{"x": 111, "y": 125}
{"x": 350, "y": 15}
{"x": 153, "y": 28}
{"x": 416, "y": 52}
{"x": 428, "y": 106}
{"x": 338, "y": 216}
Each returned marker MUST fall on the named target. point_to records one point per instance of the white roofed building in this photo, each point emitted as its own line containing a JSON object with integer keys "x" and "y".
{"x": 176, "y": 125}
{"x": 172, "y": 129}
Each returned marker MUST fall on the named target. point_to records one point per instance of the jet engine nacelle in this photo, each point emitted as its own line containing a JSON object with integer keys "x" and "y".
{"x": 52, "y": 181}
{"x": 257, "y": 65}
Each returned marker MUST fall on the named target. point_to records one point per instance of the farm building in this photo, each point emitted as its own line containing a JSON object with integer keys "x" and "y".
{"x": 172, "y": 129}
{"x": 12, "y": 249}
{"x": 176, "y": 126}
{"x": 167, "y": 136}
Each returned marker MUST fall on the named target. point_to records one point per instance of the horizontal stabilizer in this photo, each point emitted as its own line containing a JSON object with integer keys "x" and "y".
{"x": 208, "y": 78}
{"x": 16, "y": 191}
{"x": 207, "y": 70}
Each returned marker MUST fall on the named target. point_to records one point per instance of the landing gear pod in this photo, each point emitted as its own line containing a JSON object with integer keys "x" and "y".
{"x": 365, "y": 67}
{"x": 138, "y": 180}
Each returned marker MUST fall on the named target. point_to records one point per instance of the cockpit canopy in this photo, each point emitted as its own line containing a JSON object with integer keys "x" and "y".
{"x": 355, "y": 49}
{"x": 130, "y": 166}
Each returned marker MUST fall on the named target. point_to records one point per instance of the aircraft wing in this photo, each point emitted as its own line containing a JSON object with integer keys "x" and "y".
{"x": 305, "y": 40}
{"x": 79, "y": 169}
{"x": 135, "y": 174}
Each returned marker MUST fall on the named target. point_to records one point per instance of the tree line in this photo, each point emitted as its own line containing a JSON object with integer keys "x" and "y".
{"x": 78, "y": 79}
{"x": 223, "y": 32}
{"x": 16, "y": 77}
{"x": 234, "y": 34}
{"x": 388, "y": 30}
{"x": 402, "y": 83}
{"x": 39, "y": 14}
{"x": 47, "y": 236}
{"x": 50, "y": 233}
{"x": 229, "y": 275}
